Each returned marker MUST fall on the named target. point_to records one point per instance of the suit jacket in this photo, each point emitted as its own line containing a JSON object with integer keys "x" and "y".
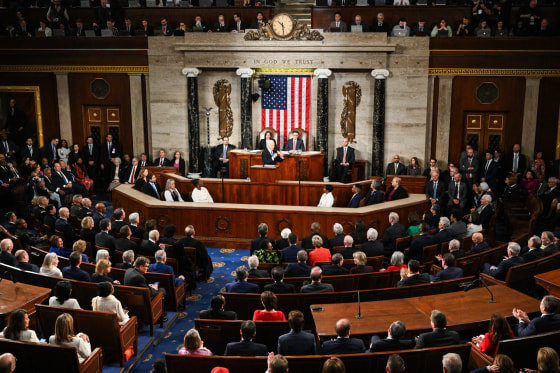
{"x": 136, "y": 232}
{"x": 75, "y": 273}
{"x": 128, "y": 171}
{"x": 417, "y": 244}
{"x": 390, "y": 236}
{"x": 8, "y": 258}
{"x": 350, "y": 155}
{"x": 166, "y": 162}
{"x": 168, "y": 31}
{"x": 343, "y": 346}
{"x": 372, "y": 248}
{"x": 219, "y": 28}
{"x": 373, "y": 196}
{"x": 204, "y": 27}
{"x": 355, "y": 201}
{"x": 337, "y": 240}
{"x": 124, "y": 244}
{"x": 133, "y": 277}
{"x": 245, "y": 348}
{"x": 342, "y": 26}
{"x": 117, "y": 225}
{"x": 347, "y": 252}
{"x": 440, "y": 190}
{"x": 437, "y": 338}
{"x": 148, "y": 248}
{"x": 280, "y": 288}
{"x": 267, "y": 158}
{"x": 219, "y": 151}
{"x": 485, "y": 216}
{"x": 28, "y": 267}
{"x": 93, "y": 156}
{"x": 490, "y": 175}
{"x": 242, "y": 287}
{"x": 463, "y": 192}
{"x": 281, "y": 244}
{"x": 149, "y": 190}
{"x": 483, "y": 246}
{"x": 401, "y": 169}
{"x": 220, "y": 315}
{"x": 521, "y": 164}
{"x": 297, "y": 270}
{"x": 46, "y": 152}
{"x": 296, "y": 343}
{"x": 106, "y": 240}
{"x": 256, "y": 243}
{"x": 505, "y": 265}
{"x": 307, "y": 241}
{"x": 26, "y": 153}
{"x": 316, "y": 287}
{"x": 418, "y": 279}
{"x": 543, "y": 324}
{"x": 386, "y": 28}
{"x": 114, "y": 152}
{"x": 242, "y": 26}
{"x": 387, "y": 344}
{"x": 69, "y": 236}
{"x": 58, "y": 181}
{"x": 399, "y": 193}
{"x": 448, "y": 273}
{"x": 290, "y": 145}
{"x": 475, "y": 167}
{"x": 334, "y": 270}
{"x": 443, "y": 235}
{"x": 289, "y": 254}
{"x": 532, "y": 255}
{"x": 258, "y": 273}
{"x": 159, "y": 267}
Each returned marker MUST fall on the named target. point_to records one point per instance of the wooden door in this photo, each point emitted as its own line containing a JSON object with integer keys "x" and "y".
{"x": 102, "y": 120}
{"x": 483, "y": 130}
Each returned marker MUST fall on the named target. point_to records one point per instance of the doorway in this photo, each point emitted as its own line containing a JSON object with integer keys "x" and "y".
{"x": 484, "y": 130}
{"x": 99, "y": 121}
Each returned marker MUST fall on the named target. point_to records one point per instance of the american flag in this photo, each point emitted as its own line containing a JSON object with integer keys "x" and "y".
{"x": 286, "y": 105}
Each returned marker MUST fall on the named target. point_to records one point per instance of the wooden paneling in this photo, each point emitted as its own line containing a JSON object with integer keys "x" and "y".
{"x": 547, "y": 119}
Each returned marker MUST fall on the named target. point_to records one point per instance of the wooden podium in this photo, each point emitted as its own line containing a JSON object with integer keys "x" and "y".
{"x": 244, "y": 164}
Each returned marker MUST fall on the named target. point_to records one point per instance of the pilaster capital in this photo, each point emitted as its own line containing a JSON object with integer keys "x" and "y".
{"x": 322, "y": 73}
{"x": 191, "y": 72}
{"x": 245, "y": 72}
{"x": 380, "y": 73}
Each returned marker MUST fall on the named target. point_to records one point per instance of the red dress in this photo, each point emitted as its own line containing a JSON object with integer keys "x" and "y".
{"x": 81, "y": 175}
{"x": 486, "y": 345}
{"x": 320, "y": 254}
{"x": 396, "y": 268}
{"x": 261, "y": 315}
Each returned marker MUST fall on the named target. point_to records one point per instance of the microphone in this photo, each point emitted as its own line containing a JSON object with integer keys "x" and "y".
{"x": 359, "y": 315}
{"x": 471, "y": 285}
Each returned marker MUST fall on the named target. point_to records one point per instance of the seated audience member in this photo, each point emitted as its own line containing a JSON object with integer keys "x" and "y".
{"x": 240, "y": 285}
{"x": 6, "y": 256}
{"x": 360, "y": 260}
{"x": 137, "y": 232}
{"x": 433, "y": 215}
{"x": 348, "y": 251}
{"x": 394, "y": 341}
{"x": 57, "y": 246}
{"x": 454, "y": 248}
{"x": 441, "y": 30}
{"x": 246, "y": 347}
{"x": 335, "y": 268}
{"x": 316, "y": 286}
{"x": 547, "y": 361}
{"x": 372, "y": 247}
{"x": 135, "y": 277}
{"x": 338, "y": 239}
{"x": 216, "y": 310}
{"x": 105, "y": 301}
{"x": 474, "y": 225}
{"x": 396, "y": 230}
{"x": 296, "y": 342}
{"x": 479, "y": 245}
{"x": 343, "y": 344}
{"x": 465, "y": 28}
{"x": 256, "y": 243}
{"x": 356, "y": 196}
{"x": 98, "y": 215}
{"x": 73, "y": 271}
{"x": 299, "y": 269}
{"x": 403, "y": 30}
{"x": 413, "y": 224}
{"x": 193, "y": 345}
{"x": 142, "y": 179}
{"x": 440, "y": 336}
{"x": 360, "y": 234}
{"x": 101, "y": 254}
{"x": 238, "y": 25}
{"x": 513, "y": 194}
{"x": 395, "y": 364}
{"x": 381, "y": 25}
{"x": 151, "y": 187}
{"x": 452, "y": 363}
{"x": 319, "y": 253}
{"x": 500, "y": 272}
{"x": 397, "y": 262}
{"x": 103, "y": 238}
{"x": 151, "y": 245}
{"x": 49, "y": 266}
{"x": 65, "y": 227}
{"x": 549, "y": 320}
{"x": 533, "y": 250}
{"x": 124, "y": 243}
{"x": 547, "y": 243}
{"x": 127, "y": 260}
{"x": 265, "y": 253}
{"x": 87, "y": 233}
{"x": 171, "y": 193}
{"x": 530, "y": 183}
{"x": 307, "y": 241}
{"x": 119, "y": 221}
{"x": 338, "y": 25}
{"x": 199, "y": 25}
{"x": 25, "y": 238}
{"x": 17, "y": 328}
{"x": 449, "y": 271}
{"x": 64, "y": 335}
{"x": 375, "y": 193}
{"x": 483, "y": 30}
{"x": 501, "y": 363}
{"x": 61, "y": 297}
{"x": 445, "y": 234}
{"x": 102, "y": 270}
{"x": 499, "y": 330}
{"x": 412, "y": 275}
{"x": 10, "y": 224}
{"x": 253, "y": 263}
{"x": 23, "y": 261}
{"x": 484, "y": 211}
{"x": 160, "y": 267}
{"x": 80, "y": 246}
{"x": 200, "y": 193}
{"x": 418, "y": 244}
{"x": 277, "y": 364}
{"x": 283, "y": 242}
{"x": 289, "y": 253}
{"x": 327, "y": 198}
{"x": 269, "y": 302}
{"x": 279, "y": 286}
{"x": 458, "y": 226}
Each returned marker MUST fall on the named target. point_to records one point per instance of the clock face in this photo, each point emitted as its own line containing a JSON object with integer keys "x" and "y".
{"x": 283, "y": 25}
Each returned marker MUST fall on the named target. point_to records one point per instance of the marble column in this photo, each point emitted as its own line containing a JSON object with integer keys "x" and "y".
{"x": 378, "y": 138}
{"x": 530, "y": 111}
{"x": 246, "y": 107}
{"x": 63, "y": 96}
{"x": 148, "y": 128}
{"x": 193, "y": 121}
{"x": 136, "y": 112}
{"x": 444, "y": 119}
{"x": 323, "y": 117}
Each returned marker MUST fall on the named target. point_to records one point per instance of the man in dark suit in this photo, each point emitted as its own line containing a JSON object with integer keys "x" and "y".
{"x": 73, "y": 271}
{"x": 356, "y": 197}
{"x": 338, "y": 25}
{"x": 372, "y": 247}
{"x": 65, "y": 227}
{"x": 396, "y": 167}
{"x": 49, "y": 151}
{"x": 295, "y": 143}
{"x": 500, "y": 272}
{"x": 221, "y": 156}
{"x": 316, "y": 286}
{"x": 449, "y": 271}
{"x": 418, "y": 244}
{"x": 534, "y": 251}
{"x": 258, "y": 21}
{"x": 135, "y": 277}
{"x": 454, "y": 248}
{"x": 166, "y": 29}
{"x": 132, "y": 171}
{"x": 348, "y": 251}
{"x": 128, "y": 26}
{"x": 338, "y": 239}
{"x": 119, "y": 215}
{"x": 152, "y": 187}
{"x": 199, "y": 25}
{"x": 238, "y": 25}
{"x": 6, "y": 256}
{"x": 144, "y": 161}
{"x": 256, "y": 243}
{"x": 216, "y": 310}
{"x": 90, "y": 155}
{"x": 484, "y": 211}
{"x": 279, "y": 286}
{"x": 479, "y": 245}
{"x": 307, "y": 242}
{"x": 516, "y": 163}
{"x": 548, "y": 322}
{"x": 160, "y": 267}
{"x": 396, "y": 230}
{"x": 29, "y": 151}
{"x": 23, "y": 262}
{"x": 296, "y": 342}
{"x": 125, "y": 243}
{"x": 394, "y": 341}
{"x": 435, "y": 189}
{"x": 412, "y": 275}
{"x": 109, "y": 151}
{"x": 445, "y": 233}
{"x": 344, "y": 160}
{"x": 420, "y": 29}
{"x": 549, "y": 195}
{"x": 489, "y": 170}
{"x": 335, "y": 268}
{"x": 270, "y": 156}
{"x": 343, "y": 344}
{"x": 240, "y": 285}
{"x": 104, "y": 239}
{"x": 457, "y": 192}
{"x": 299, "y": 269}
{"x": 254, "y": 272}
{"x": 246, "y": 347}
{"x": 382, "y": 26}
{"x": 358, "y": 22}
{"x": 469, "y": 166}
{"x": 440, "y": 336}
{"x": 150, "y": 246}
{"x": 289, "y": 254}
{"x": 548, "y": 245}
{"x": 220, "y": 26}
{"x": 10, "y": 224}
{"x": 203, "y": 260}
{"x": 137, "y": 232}
{"x": 162, "y": 160}
{"x": 127, "y": 260}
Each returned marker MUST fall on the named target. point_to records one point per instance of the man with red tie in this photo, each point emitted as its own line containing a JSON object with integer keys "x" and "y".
{"x": 165, "y": 28}
{"x": 162, "y": 161}
{"x": 144, "y": 161}
{"x": 295, "y": 143}
{"x": 49, "y": 151}
{"x": 132, "y": 171}
{"x": 344, "y": 160}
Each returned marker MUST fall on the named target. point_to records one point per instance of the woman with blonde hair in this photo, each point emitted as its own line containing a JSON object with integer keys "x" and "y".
{"x": 80, "y": 246}
{"x": 49, "y": 266}
{"x": 269, "y": 301}
{"x": 102, "y": 269}
{"x": 87, "y": 233}
{"x": 64, "y": 335}
{"x": 141, "y": 179}
{"x": 171, "y": 194}
{"x": 501, "y": 364}
{"x": 360, "y": 260}
{"x": 193, "y": 345}
{"x": 17, "y": 328}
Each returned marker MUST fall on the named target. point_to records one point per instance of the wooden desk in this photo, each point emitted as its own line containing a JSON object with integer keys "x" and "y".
{"x": 19, "y": 295}
{"x": 550, "y": 281}
{"x": 309, "y": 164}
{"x": 464, "y": 310}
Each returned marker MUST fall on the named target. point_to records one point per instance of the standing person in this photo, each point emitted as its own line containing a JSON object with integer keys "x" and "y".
{"x": 91, "y": 156}
{"x": 221, "y": 155}
{"x": 179, "y": 163}
{"x": 63, "y": 151}
{"x": 344, "y": 160}
{"x": 109, "y": 151}
{"x": 414, "y": 168}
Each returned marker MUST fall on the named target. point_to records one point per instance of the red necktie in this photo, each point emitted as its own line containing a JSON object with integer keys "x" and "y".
{"x": 160, "y": 162}
{"x": 53, "y": 154}
{"x": 470, "y": 175}
{"x": 294, "y": 144}
{"x": 344, "y": 157}
{"x": 132, "y": 175}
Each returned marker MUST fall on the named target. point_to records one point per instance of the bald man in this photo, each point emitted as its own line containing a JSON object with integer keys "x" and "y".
{"x": 7, "y": 362}
{"x": 343, "y": 344}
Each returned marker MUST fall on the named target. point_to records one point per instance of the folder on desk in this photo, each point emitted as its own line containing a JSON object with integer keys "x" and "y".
{"x": 356, "y": 28}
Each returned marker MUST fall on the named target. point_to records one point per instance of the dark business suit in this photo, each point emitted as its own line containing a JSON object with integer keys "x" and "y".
{"x": 350, "y": 157}
{"x": 483, "y": 246}
{"x": 390, "y": 236}
{"x": 241, "y": 27}
{"x": 297, "y": 270}
{"x": 452, "y": 194}
{"x": 133, "y": 277}
{"x": 245, "y": 348}
{"x": 28, "y": 267}
{"x": 258, "y": 273}
{"x": 485, "y": 215}
{"x": 373, "y": 196}
{"x": 69, "y": 236}
{"x": 316, "y": 287}
{"x": 401, "y": 169}
{"x": 443, "y": 235}
{"x": 117, "y": 225}
{"x": 440, "y": 191}
{"x": 280, "y": 288}
{"x": 219, "y": 315}
{"x": 8, "y": 258}
{"x": 343, "y": 346}
{"x": 91, "y": 156}
{"x": 289, "y": 254}
{"x": 347, "y": 252}
{"x": 267, "y": 158}
{"x": 372, "y": 248}
{"x": 355, "y": 201}
{"x": 388, "y": 344}
{"x": 219, "y": 153}
{"x": 159, "y": 162}
{"x": 437, "y": 338}
{"x": 128, "y": 172}
{"x": 448, "y": 273}
{"x": 256, "y": 243}
{"x": 148, "y": 248}
{"x": 521, "y": 164}
{"x": 503, "y": 268}
{"x": 296, "y": 343}
{"x": 417, "y": 279}
{"x": 149, "y": 190}
{"x": 242, "y": 287}
{"x": 290, "y": 145}
{"x": 124, "y": 244}
{"x": 543, "y": 324}
{"x": 281, "y": 244}
{"x": 337, "y": 240}
{"x": 399, "y": 193}
{"x": 334, "y": 270}
{"x": 416, "y": 246}
{"x": 32, "y": 154}
{"x": 75, "y": 273}
{"x": 107, "y": 241}
{"x": 383, "y": 27}
{"x": 490, "y": 173}
{"x": 47, "y": 152}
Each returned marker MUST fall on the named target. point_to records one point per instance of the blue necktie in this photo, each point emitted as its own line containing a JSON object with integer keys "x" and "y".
{"x": 435, "y": 190}
{"x": 155, "y": 189}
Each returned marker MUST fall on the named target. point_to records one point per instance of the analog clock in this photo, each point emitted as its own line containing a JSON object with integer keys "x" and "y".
{"x": 283, "y": 26}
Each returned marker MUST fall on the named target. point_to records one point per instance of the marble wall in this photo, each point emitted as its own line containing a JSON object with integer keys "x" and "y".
{"x": 351, "y": 57}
